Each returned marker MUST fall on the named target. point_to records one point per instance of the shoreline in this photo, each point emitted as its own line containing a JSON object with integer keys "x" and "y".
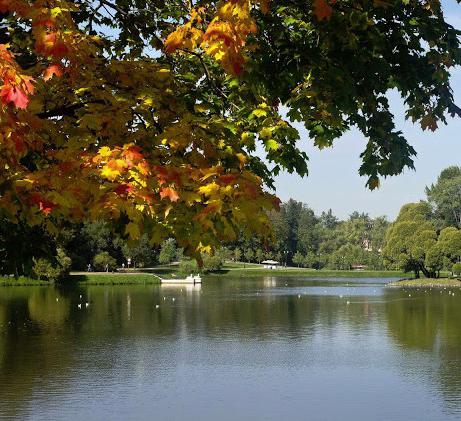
{"x": 426, "y": 283}
{"x": 149, "y": 276}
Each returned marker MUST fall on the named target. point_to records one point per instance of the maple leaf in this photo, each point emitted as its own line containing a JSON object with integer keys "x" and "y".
{"x": 124, "y": 189}
{"x": 44, "y": 205}
{"x": 322, "y": 10}
{"x": 133, "y": 231}
{"x": 133, "y": 154}
{"x": 52, "y": 70}
{"x": 169, "y": 192}
{"x": 14, "y": 95}
{"x": 51, "y": 44}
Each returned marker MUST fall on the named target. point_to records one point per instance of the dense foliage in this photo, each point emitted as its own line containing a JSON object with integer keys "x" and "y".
{"x": 149, "y": 113}
{"x": 426, "y": 236}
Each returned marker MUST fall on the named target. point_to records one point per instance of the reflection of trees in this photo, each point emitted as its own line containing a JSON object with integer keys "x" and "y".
{"x": 48, "y": 333}
{"x": 431, "y": 321}
{"x": 49, "y": 342}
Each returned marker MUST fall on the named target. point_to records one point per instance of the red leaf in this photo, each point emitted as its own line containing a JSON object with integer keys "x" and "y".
{"x": 52, "y": 70}
{"x": 123, "y": 189}
{"x": 322, "y": 10}
{"x": 172, "y": 194}
{"x": 51, "y": 44}
{"x": 228, "y": 178}
{"x": 15, "y": 95}
{"x": 44, "y": 205}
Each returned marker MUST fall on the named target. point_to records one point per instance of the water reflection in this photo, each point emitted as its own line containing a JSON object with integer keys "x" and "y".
{"x": 306, "y": 340}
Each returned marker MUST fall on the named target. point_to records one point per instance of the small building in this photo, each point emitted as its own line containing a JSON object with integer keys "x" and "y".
{"x": 270, "y": 264}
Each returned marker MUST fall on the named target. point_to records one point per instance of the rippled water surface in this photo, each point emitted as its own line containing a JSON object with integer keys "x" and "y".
{"x": 270, "y": 348}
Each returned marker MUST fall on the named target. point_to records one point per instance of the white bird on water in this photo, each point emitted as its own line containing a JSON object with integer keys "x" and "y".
{"x": 79, "y": 305}
{"x": 87, "y": 304}
{"x": 157, "y": 306}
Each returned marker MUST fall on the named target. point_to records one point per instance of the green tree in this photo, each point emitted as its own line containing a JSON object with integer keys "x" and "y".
{"x": 410, "y": 239}
{"x": 445, "y": 197}
{"x": 259, "y": 255}
{"x": 449, "y": 243}
{"x": 249, "y": 255}
{"x": 168, "y": 252}
{"x": 104, "y": 262}
{"x": 298, "y": 259}
{"x": 141, "y": 252}
{"x": 237, "y": 255}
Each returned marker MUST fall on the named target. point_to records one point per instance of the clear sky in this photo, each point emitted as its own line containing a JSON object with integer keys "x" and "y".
{"x": 333, "y": 180}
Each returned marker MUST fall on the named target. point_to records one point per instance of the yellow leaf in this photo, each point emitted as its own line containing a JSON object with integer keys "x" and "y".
{"x": 109, "y": 173}
{"x": 209, "y": 189}
{"x": 105, "y": 151}
{"x": 132, "y": 230}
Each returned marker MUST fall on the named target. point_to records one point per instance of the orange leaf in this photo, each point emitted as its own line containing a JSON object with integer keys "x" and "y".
{"x": 52, "y": 70}
{"x": 322, "y": 10}
{"x": 172, "y": 194}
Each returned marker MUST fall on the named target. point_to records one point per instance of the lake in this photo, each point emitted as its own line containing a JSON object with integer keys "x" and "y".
{"x": 243, "y": 349}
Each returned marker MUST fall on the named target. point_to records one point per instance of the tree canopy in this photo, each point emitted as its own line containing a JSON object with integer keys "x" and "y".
{"x": 150, "y": 113}
{"x": 445, "y": 196}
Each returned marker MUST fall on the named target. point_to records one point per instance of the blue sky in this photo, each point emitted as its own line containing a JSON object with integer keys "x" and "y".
{"x": 333, "y": 180}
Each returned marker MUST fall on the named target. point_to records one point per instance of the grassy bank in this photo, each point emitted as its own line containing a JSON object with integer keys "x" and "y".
{"x": 245, "y": 273}
{"x": 113, "y": 278}
{"x": 21, "y": 281}
{"x": 427, "y": 283}
{"x": 238, "y": 270}
{"x": 88, "y": 279}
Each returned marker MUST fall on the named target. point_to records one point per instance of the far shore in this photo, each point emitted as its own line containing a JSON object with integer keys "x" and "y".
{"x": 426, "y": 283}
{"x": 230, "y": 271}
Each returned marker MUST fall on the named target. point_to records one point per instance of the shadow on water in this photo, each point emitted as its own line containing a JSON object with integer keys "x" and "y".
{"x": 59, "y": 348}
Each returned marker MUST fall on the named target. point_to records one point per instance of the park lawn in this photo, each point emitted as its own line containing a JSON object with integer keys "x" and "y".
{"x": 245, "y": 270}
{"x": 6, "y": 281}
{"x": 250, "y": 272}
{"x": 113, "y": 278}
{"x": 427, "y": 283}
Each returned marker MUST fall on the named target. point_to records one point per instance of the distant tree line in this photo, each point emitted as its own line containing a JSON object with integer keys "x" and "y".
{"x": 302, "y": 238}
{"x": 425, "y": 238}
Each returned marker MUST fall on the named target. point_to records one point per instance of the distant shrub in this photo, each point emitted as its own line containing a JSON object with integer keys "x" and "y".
{"x": 64, "y": 261}
{"x": 457, "y": 269}
{"x": 212, "y": 263}
{"x": 44, "y": 270}
{"x": 187, "y": 266}
{"x": 103, "y": 261}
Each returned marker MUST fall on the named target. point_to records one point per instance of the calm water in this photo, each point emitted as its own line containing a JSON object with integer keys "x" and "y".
{"x": 271, "y": 348}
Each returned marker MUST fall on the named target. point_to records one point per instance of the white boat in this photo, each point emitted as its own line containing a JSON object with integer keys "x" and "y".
{"x": 191, "y": 279}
